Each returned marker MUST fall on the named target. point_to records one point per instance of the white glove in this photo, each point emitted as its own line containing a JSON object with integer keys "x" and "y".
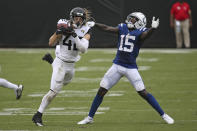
{"x": 90, "y": 23}
{"x": 155, "y": 23}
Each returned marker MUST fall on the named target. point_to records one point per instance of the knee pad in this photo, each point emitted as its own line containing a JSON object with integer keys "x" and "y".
{"x": 105, "y": 83}
{"x": 139, "y": 85}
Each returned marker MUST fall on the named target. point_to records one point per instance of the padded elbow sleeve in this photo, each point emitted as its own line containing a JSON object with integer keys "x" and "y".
{"x": 82, "y": 44}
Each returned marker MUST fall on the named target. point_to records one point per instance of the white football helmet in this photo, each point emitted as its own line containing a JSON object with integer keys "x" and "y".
{"x": 140, "y": 22}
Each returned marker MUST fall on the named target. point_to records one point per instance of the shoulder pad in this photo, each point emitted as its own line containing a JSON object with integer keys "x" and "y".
{"x": 121, "y": 24}
{"x": 143, "y": 29}
{"x": 90, "y": 23}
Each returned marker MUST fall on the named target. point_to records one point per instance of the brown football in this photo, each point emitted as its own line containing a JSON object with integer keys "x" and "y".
{"x": 62, "y": 25}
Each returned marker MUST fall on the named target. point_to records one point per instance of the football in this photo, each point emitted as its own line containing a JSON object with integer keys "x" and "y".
{"x": 62, "y": 25}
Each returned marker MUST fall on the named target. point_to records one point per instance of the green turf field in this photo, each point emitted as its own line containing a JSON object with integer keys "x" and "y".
{"x": 170, "y": 75}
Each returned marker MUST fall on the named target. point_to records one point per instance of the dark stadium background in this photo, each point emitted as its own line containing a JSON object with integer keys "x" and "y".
{"x": 29, "y": 23}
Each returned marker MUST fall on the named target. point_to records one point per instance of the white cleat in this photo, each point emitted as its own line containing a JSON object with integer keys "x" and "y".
{"x": 86, "y": 120}
{"x": 19, "y": 91}
{"x": 167, "y": 119}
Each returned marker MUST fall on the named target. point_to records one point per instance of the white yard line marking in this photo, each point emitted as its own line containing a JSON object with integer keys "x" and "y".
{"x": 89, "y": 68}
{"x": 36, "y": 95}
{"x": 56, "y": 109}
{"x": 152, "y": 50}
{"x": 168, "y": 51}
{"x": 147, "y": 59}
{"x": 144, "y": 68}
{"x": 100, "y": 60}
{"x": 85, "y": 80}
{"x": 52, "y": 111}
{"x": 15, "y": 109}
{"x": 113, "y": 94}
{"x": 110, "y": 60}
{"x": 20, "y": 130}
{"x": 76, "y": 111}
{"x": 105, "y": 50}
{"x": 79, "y": 93}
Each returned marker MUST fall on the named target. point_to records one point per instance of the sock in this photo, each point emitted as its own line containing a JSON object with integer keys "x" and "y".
{"x": 7, "y": 84}
{"x": 95, "y": 104}
{"x": 153, "y": 102}
{"x": 46, "y": 100}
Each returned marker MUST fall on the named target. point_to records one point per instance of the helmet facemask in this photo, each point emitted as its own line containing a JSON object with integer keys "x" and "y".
{"x": 77, "y": 22}
{"x": 130, "y": 25}
{"x": 140, "y": 20}
{"x": 78, "y": 17}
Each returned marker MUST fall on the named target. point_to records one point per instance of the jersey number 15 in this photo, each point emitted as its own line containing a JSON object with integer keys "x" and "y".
{"x": 127, "y": 46}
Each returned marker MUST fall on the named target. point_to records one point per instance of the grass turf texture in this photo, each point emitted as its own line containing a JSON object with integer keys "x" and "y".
{"x": 172, "y": 79}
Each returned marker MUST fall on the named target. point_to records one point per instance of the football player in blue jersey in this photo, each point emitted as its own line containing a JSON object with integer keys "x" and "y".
{"x": 131, "y": 34}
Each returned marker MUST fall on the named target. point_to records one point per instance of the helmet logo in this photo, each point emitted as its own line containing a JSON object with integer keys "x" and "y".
{"x": 79, "y": 14}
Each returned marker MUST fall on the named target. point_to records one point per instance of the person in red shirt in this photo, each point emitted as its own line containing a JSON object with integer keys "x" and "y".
{"x": 181, "y": 21}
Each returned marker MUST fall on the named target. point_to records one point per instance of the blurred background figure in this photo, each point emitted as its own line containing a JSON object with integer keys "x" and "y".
{"x": 181, "y": 21}
{"x": 18, "y": 89}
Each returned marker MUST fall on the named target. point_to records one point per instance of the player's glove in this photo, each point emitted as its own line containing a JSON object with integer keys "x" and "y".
{"x": 155, "y": 23}
{"x": 47, "y": 57}
{"x": 65, "y": 31}
{"x": 91, "y": 23}
{"x": 64, "y": 27}
{"x": 60, "y": 30}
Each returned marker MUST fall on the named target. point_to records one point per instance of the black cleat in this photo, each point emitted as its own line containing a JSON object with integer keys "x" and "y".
{"x": 37, "y": 119}
{"x": 47, "y": 57}
{"x": 19, "y": 91}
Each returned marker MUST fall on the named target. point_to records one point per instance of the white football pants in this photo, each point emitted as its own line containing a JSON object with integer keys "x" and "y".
{"x": 113, "y": 75}
{"x": 62, "y": 74}
{"x": 5, "y": 83}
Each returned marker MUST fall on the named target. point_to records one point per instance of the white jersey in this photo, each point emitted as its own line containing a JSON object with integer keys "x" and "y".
{"x": 67, "y": 50}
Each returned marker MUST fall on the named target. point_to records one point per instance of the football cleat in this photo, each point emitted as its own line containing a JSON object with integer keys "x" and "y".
{"x": 86, "y": 120}
{"x": 167, "y": 119}
{"x": 47, "y": 57}
{"x": 19, "y": 91}
{"x": 37, "y": 119}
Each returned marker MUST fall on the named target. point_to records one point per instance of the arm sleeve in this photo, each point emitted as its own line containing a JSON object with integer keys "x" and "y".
{"x": 120, "y": 26}
{"x": 82, "y": 44}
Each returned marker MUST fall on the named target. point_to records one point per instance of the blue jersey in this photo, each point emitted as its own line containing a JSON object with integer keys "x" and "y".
{"x": 128, "y": 46}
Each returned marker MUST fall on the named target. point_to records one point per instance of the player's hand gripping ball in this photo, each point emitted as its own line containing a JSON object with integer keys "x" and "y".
{"x": 64, "y": 27}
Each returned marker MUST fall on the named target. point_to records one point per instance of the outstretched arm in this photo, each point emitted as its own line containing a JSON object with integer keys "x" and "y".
{"x": 148, "y": 33}
{"x": 107, "y": 28}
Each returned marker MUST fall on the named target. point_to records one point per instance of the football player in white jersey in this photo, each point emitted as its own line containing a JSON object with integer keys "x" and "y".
{"x": 18, "y": 89}
{"x": 72, "y": 41}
